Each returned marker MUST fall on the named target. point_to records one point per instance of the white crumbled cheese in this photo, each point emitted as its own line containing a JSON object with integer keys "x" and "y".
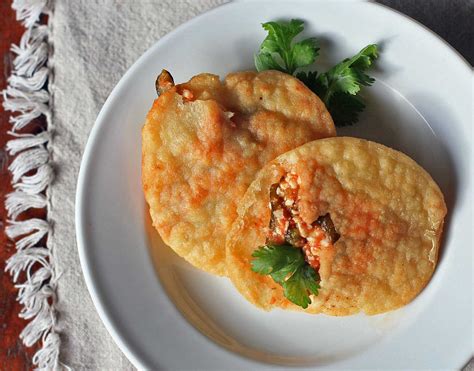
{"x": 187, "y": 94}
{"x": 292, "y": 182}
{"x": 278, "y": 214}
{"x": 325, "y": 243}
{"x": 315, "y": 236}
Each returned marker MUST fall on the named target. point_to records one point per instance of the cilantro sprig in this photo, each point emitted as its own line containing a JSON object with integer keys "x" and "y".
{"x": 337, "y": 88}
{"x": 279, "y": 52}
{"x": 287, "y": 267}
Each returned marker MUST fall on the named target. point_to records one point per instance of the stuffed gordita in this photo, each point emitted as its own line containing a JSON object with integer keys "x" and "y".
{"x": 337, "y": 226}
{"x": 204, "y": 141}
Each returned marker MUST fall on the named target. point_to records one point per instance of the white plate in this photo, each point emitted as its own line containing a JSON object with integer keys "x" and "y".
{"x": 420, "y": 104}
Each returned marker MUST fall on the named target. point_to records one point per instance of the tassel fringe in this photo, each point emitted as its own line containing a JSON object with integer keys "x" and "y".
{"x": 28, "y": 97}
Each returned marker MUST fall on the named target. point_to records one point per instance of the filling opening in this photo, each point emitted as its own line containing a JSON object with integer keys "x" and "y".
{"x": 287, "y": 226}
{"x": 293, "y": 250}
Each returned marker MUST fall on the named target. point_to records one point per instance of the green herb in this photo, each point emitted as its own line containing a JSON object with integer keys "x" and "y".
{"x": 279, "y": 52}
{"x": 337, "y": 88}
{"x": 287, "y": 266}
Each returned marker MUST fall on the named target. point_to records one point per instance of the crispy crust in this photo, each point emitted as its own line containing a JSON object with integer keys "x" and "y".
{"x": 203, "y": 143}
{"x": 387, "y": 209}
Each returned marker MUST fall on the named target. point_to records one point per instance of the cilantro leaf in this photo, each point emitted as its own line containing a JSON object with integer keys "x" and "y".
{"x": 349, "y": 75}
{"x": 278, "y": 52}
{"x": 339, "y": 86}
{"x": 311, "y": 279}
{"x": 287, "y": 266}
{"x": 273, "y": 258}
{"x": 345, "y": 108}
{"x": 302, "y": 282}
{"x": 265, "y": 61}
{"x": 311, "y": 80}
{"x": 304, "y": 53}
{"x": 286, "y": 271}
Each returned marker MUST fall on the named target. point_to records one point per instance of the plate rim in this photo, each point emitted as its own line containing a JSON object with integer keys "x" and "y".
{"x": 80, "y": 200}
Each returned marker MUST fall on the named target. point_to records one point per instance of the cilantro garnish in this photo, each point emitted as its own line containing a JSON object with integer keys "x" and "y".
{"x": 287, "y": 266}
{"x": 278, "y": 52}
{"x": 337, "y": 88}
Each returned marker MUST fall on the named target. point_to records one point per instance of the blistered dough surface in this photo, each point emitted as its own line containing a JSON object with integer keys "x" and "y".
{"x": 203, "y": 143}
{"x": 387, "y": 209}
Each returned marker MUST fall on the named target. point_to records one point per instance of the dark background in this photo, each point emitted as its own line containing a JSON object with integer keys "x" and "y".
{"x": 453, "y": 20}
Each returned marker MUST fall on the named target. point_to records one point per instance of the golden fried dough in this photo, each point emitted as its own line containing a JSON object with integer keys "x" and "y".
{"x": 388, "y": 211}
{"x": 203, "y": 143}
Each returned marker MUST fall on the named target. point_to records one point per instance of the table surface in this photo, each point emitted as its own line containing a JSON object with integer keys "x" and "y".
{"x": 449, "y": 18}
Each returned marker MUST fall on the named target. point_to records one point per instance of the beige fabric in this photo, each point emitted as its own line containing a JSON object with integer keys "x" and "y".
{"x": 95, "y": 42}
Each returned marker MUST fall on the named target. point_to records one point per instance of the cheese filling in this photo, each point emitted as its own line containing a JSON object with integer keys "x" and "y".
{"x": 287, "y": 226}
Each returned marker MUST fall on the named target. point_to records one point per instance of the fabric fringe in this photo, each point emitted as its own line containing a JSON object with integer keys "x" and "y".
{"x": 27, "y": 97}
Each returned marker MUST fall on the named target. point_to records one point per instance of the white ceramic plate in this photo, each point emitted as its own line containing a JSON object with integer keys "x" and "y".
{"x": 164, "y": 314}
